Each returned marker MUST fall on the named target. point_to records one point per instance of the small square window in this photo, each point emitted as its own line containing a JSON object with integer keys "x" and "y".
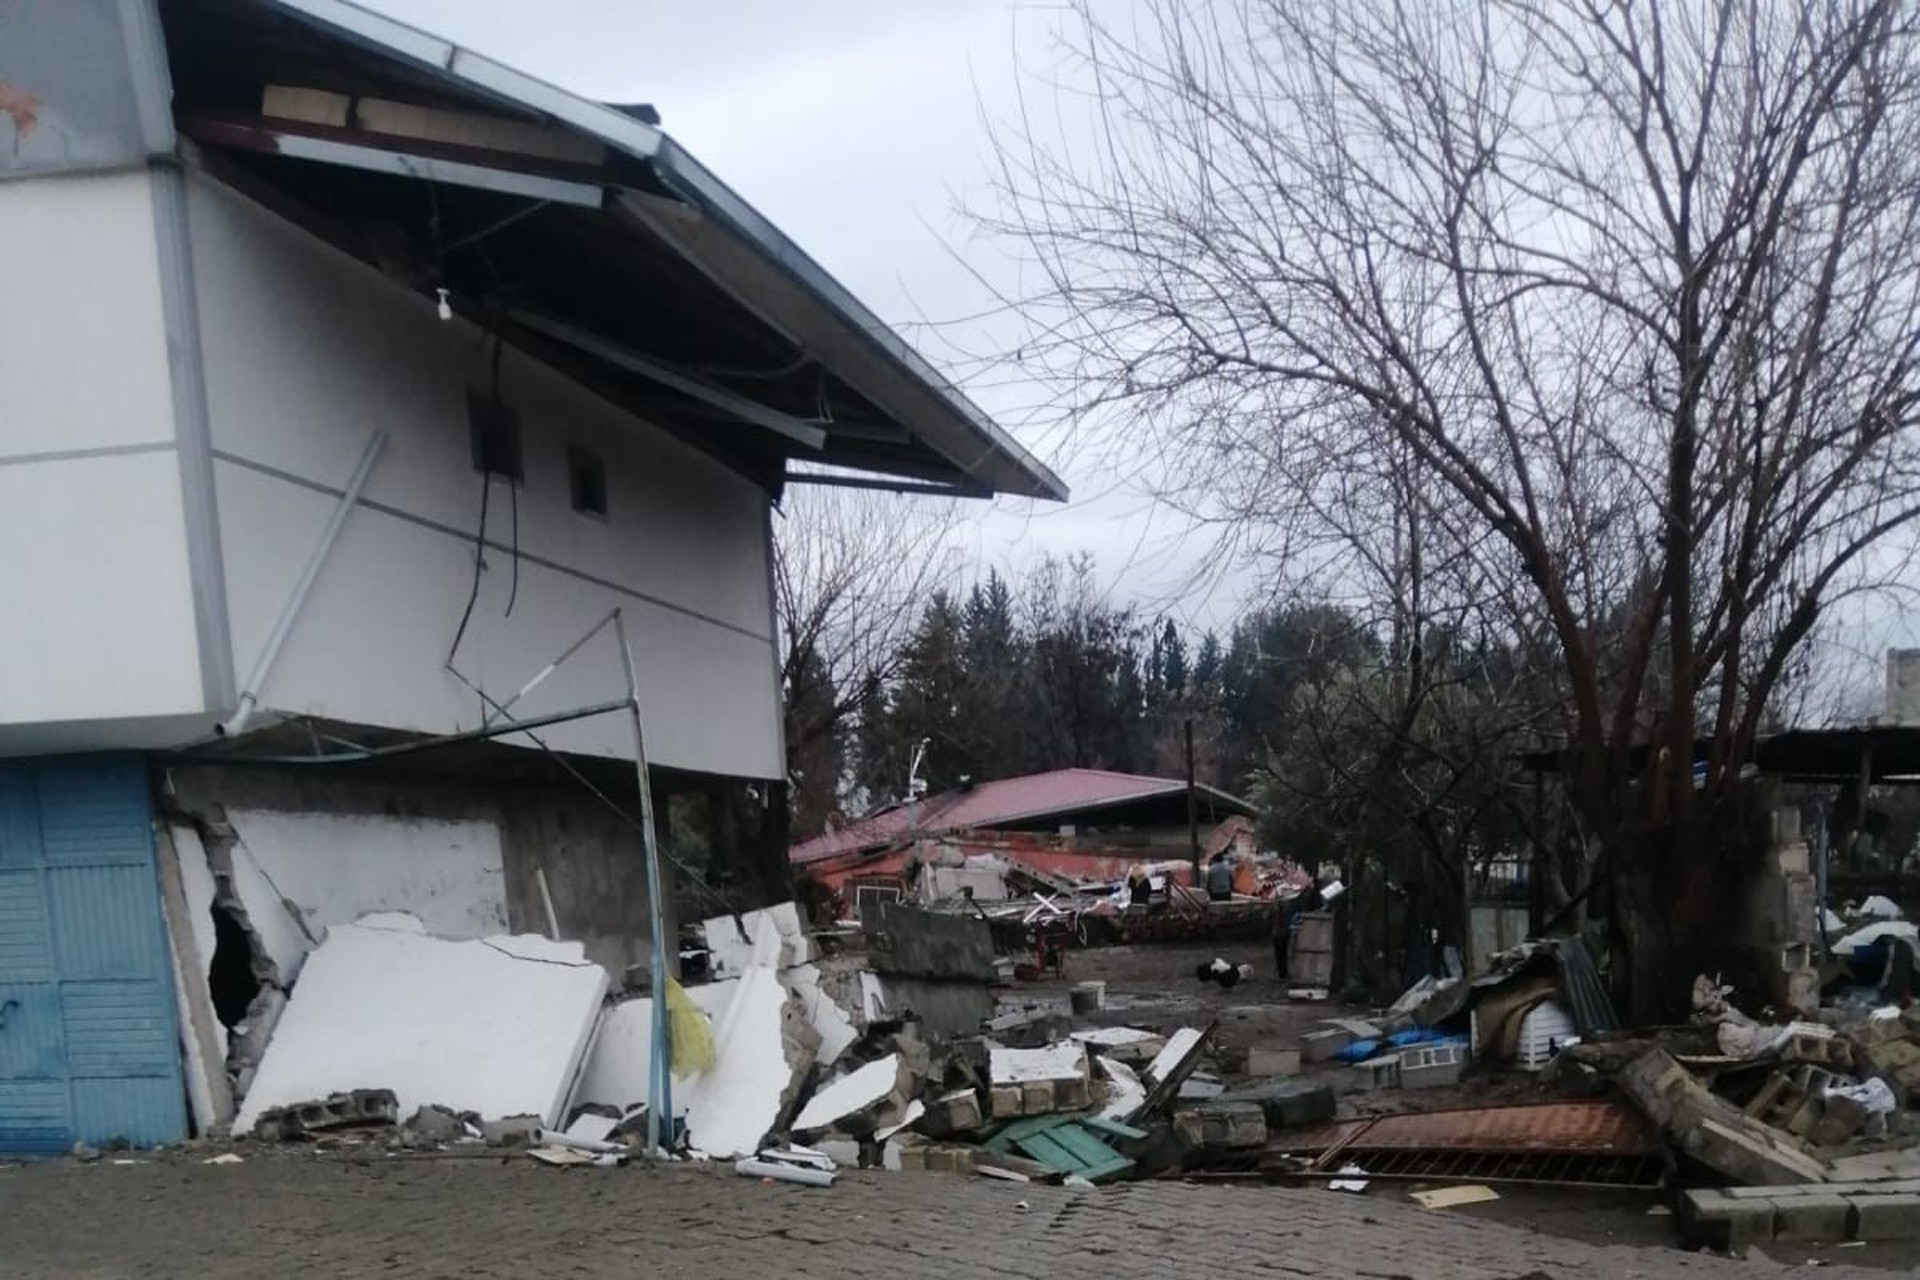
{"x": 587, "y": 481}
{"x": 493, "y": 430}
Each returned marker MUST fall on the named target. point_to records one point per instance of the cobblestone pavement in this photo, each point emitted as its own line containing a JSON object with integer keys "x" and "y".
{"x": 494, "y": 1217}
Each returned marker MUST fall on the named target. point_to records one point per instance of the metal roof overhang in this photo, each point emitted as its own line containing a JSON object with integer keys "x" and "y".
{"x": 742, "y": 344}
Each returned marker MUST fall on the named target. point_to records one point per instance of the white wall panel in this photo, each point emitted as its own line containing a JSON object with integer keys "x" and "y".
{"x": 98, "y": 605}
{"x": 81, "y": 333}
{"x": 307, "y": 352}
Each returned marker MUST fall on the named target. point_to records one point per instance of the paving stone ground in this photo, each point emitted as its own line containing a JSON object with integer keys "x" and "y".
{"x": 487, "y": 1218}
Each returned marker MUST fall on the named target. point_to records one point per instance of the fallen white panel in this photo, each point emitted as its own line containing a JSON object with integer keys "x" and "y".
{"x": 619, "y": 1068}
{"x": 1126, "y": 1094}
{"x": 1179, "y": 1045}
{"x": 496, "y": 1026}
{"x": 853, "y": 1092}
{"x": 915, "y": 1110}
{"x": 1114, "y": 1037}
{"x": 823, "y": 1011}
{"x": 337, "y": 867}
{"x": 1066, "y": 1061}
{"x": 772, "y": 936}
{"x": 731, "y": 1107}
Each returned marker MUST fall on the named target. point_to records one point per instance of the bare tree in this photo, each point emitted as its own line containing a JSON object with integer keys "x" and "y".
{"x": 1625, "y": 289}
{"x": 852, "y": 572}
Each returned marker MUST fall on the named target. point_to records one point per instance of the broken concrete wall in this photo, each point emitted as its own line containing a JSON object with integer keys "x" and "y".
{"x": 932, "y": 944}
{"x": 463, "y": 852}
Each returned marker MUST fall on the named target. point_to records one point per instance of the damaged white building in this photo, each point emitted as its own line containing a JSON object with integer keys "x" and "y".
{"x": 353, "y": 381}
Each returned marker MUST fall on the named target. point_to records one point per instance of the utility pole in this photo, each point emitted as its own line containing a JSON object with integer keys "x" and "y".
{"x": 1193, "y": 808}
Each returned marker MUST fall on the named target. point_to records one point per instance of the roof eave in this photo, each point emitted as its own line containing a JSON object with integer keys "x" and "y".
{"x": 824, "y": 313}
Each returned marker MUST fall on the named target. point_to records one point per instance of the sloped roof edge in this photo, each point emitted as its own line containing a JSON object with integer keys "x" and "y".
{"x": 997, "y": 460}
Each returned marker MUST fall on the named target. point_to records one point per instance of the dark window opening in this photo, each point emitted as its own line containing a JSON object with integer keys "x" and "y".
{"x": 494, "y": 432}
{"x": 587, "y": 481}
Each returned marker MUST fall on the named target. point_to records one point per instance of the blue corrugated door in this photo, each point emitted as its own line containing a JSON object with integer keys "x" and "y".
{"x": 89, "y": 1047}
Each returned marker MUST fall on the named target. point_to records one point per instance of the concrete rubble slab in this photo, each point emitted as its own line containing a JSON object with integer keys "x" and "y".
{"x": 1114, "y": 1037}
{"x": 1066, "y": 1061}
{"x": 495, "y": 1026}
{"x": 828, "y": 1019}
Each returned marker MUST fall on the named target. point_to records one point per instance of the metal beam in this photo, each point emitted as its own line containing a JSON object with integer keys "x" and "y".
{"x": 405, "y": 164}
{"x": 888, "y": 486}
{"x": 739, "y": 406}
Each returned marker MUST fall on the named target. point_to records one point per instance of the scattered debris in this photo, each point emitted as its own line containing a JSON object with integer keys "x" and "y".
{"x": 1454, "y": 1197}
{"x": 1352, "y": 1178}
{"x": 225, "y": 1157}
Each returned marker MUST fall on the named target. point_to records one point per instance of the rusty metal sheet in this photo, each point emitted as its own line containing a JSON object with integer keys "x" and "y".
{"x": 1566, "y": 1127}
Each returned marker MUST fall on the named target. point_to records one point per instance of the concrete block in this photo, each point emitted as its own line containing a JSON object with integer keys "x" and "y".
{"x": 1432, "y": 1067}
{"x": 1817, "y": 1217}
{"x": 958, "y": 1112}
{"x": 1377, "y": 1073}
{"x": 1719, "y": 1219}
{"x": 1843, "y": 1117}
{"x": 1287, "y": 1104}
{"x": 1004, "y": 1101}
{"x": 1321, "y": 1046}
{"x": 1273, "y": 1062}
{"x": 1036, "y": 1097}
{"x": 1886, "y": 1217}
{"x": 1233, "y": 1125}
{"x": 904, "y": 1153}
{"x": 949, "y": 1157}
{"x": 1072, "y": 1095}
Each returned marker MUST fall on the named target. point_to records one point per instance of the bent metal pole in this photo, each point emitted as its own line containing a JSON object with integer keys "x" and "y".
{"x": 660, "y": 1081}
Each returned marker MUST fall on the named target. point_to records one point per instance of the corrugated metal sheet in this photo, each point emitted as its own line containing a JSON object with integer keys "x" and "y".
{"x": 1600, "y": 1128}
{"x": 1009, "y": 800}
{"x": 89, "y": 1045}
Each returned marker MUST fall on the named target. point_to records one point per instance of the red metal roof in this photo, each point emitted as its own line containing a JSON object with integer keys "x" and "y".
{"x": 1060, "y": 793}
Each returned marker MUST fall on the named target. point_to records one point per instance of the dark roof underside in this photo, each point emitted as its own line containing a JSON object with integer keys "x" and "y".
{"x": 659, "y": 288}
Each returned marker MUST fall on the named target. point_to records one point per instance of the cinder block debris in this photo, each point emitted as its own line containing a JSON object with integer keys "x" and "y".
{"x": 359, "y": 1108}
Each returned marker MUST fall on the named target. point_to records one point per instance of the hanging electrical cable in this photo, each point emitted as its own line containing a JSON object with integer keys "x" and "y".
{"x": 479, "y": 563}
{"x": 513, "y": 484}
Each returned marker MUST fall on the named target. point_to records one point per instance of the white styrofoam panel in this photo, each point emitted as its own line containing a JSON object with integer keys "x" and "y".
{"x": 497, "y": 1026}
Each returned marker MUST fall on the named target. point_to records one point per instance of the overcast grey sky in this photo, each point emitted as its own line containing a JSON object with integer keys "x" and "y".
{"x": 856, "y": 125}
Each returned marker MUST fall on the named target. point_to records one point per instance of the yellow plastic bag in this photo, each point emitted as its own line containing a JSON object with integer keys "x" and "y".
{"x": 689, "y": 1034}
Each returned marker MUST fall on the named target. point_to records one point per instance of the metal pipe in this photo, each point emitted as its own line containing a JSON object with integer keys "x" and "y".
{"x": 660, "y": 1094}
{"x": 234, "y": 724}
{"x": 364, "y": 754}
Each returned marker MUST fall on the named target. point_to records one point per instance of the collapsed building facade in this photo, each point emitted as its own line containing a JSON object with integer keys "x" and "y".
{"x": 364, "y": 395}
